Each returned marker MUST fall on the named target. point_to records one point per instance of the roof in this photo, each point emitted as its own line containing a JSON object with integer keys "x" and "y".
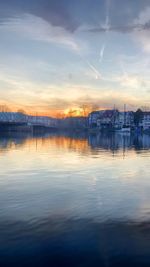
{"x": 146, "y": 113}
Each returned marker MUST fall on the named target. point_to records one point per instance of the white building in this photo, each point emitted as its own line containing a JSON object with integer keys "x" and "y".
{"x": 103, "y": 118}
{"x": 146, "y": 120}
{"x": 94, "y": 118}
{"x": 126, "y": 118}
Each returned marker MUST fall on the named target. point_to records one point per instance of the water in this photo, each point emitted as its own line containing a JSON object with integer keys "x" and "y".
{"x": 74, "y": 200}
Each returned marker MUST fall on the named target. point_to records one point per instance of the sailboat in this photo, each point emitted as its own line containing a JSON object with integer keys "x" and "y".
{"x": 125, "y": 128}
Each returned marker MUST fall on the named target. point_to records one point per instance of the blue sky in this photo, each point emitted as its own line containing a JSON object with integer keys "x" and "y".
{"x": 62, "y": 55}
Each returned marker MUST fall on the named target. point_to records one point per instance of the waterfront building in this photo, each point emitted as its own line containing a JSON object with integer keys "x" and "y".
{"x": 125, "y": 118}
{"x": 94, "y": 118}
{"x": 42, "y": 120}
{"x": 146, "y": 121}
{"x": 103, "y": 119}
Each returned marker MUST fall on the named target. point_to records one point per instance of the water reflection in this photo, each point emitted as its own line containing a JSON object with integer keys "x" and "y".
{"x": 74, "y": 200}
{"x": 80, "y": 142}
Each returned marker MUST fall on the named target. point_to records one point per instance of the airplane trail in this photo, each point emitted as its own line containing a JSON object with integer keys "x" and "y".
{"x": 101, "y": 55}
{"x": 107, "y": 27}
{"x": 97, "y": 73}
{"x": 125, "y": 74}
{"x": 102, "y": 52}
{"x": 91, "y": 66}
{"x": 107, "y": 22}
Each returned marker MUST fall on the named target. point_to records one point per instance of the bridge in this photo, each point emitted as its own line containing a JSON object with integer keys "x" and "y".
{"x": 17, "y": 119}
{"x": 12, "y": 118}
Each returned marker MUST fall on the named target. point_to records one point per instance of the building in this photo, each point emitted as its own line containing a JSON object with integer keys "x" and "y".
{"x": 103, "y": 119}
{"x": 125, "y": 118}
{"x": 42, "y": 120}
{"x": 146, "y": 121}
{"x": 93, "y": 118}
{"x": 73, "y": 123}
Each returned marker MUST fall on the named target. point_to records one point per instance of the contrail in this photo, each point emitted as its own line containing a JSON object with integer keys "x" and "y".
{"x": 107, "y": 21}
{"x": 97, "y": 73}
{"x": 107, "y": 27}
{"x": 125, "y": 74}
{"x": 102, "y": 53}
{"x": 92, "y": 67}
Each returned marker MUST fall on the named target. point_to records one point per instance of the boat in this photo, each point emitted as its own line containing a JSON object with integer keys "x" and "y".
{"x": 125, "y": 129}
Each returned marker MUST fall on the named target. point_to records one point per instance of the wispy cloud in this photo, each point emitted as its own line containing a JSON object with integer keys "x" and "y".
{"x": 56, "y": 13}
{"x": 123, "y": 28}
{"x": 31, "y": 97}
{"x": 102, "y": 53}
{"x": 36, "y": 28}
{"x": 143, "y": 36}
{"x": 140, "y": 24}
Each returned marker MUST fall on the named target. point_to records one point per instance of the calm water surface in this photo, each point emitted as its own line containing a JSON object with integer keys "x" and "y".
{"x": 75, "y": 200}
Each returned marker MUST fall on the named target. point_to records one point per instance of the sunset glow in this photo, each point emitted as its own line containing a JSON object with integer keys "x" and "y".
{"x": 59, "y": 62}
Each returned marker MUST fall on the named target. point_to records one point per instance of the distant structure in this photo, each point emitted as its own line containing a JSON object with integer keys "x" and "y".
{"x": 97, "y": 120}
{"x": 13, "y": 117}
{"x": 103, "y": 119}
{"x": 73, "y": 123}
{"x": 145, "y": 124}
{"x": 113, "y": 119}
{"x": 125, "y": 118}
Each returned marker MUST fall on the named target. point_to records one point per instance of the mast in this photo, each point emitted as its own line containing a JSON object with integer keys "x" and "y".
{"x": 114, "y": 116}
{"x": 124, "y": 114}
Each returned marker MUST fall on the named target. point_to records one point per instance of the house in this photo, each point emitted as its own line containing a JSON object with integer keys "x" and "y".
{"x": 103, "y": 119}
{"x": 125, "y": 118}
{"x": 146, "y": 121}
{"x": 94, "y": 117}
{"x": 108, "y": 119}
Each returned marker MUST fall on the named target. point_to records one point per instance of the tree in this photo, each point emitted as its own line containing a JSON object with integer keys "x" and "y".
{"x": 22, "y": 111}
{"x": 138, "y": 116}
{"x": 4, "y": 108}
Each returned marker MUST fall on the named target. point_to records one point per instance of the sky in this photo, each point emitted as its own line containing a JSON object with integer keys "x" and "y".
{"x": 68, "y": 56}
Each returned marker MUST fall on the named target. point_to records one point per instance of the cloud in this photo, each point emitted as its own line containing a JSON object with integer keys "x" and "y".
{"x": 50, "y": 100}
{"x": 130, "y": 17}
{"x": 54, "y": 12}
{"x": 143, "y": 37}
{"x": 72, "y": 15}
{"x": 138, "y": 27}
{"x": 100, "y": 101}
{"x": 38, "y": 29}
{"x": 122, "y": 28}
{"x": 132, "y": 81}
{"x": 144, "y": 17}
